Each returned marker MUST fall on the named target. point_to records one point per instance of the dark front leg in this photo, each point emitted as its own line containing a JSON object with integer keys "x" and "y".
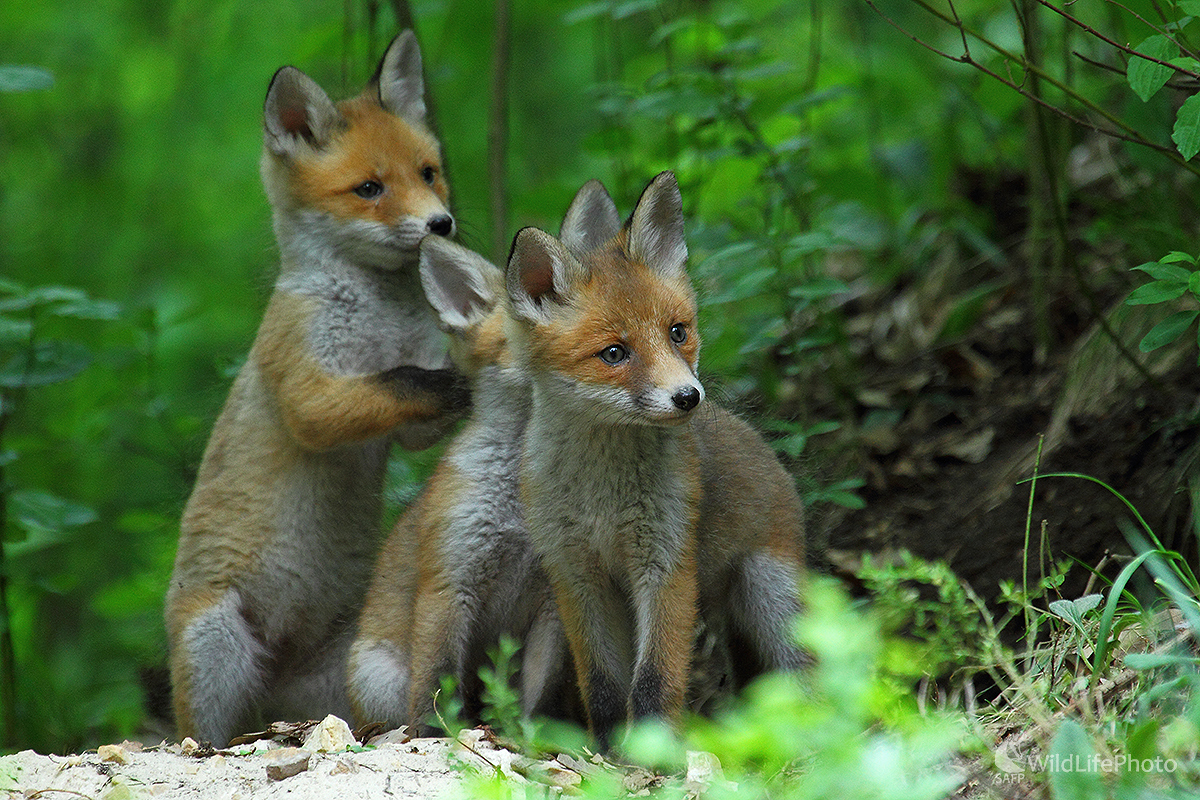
{"x": 440, "y": 391}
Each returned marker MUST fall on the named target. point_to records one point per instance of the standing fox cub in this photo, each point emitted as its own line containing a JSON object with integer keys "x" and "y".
{"x": 277, "y": 538}
{"x": 646, "y": 504}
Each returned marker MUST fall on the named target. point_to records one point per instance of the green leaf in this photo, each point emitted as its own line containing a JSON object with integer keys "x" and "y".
{"x": 41, "y": 511}
{"x": 1073, "y": 610}
{"x": 586, "y": 12}
{"x": 1140, "y": 661}
{"x": 1187, "y": 62}
{"x": 1071, "y": 755}
{"x": 1176, "y": 256}
{"x": 1147, "y": 77}
{"x": 46, "y": 363}
{"x": 24, "y": 78}
{"x": 1186, "y": 133}
{"x": 1189, "y": 7}
{"x": 1156, "y": 292}
{"x": 14, "y": 332}
{"x": 1141, "y": 740}
{"x": 1164, "y": 272}
{"x": 1167, "y": 331}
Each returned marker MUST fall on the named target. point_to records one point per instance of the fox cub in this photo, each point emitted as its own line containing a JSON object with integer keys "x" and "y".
{"x": 277, "y": 538}
{"x": 646, "y": 504}
{"x": 458, "y": 572}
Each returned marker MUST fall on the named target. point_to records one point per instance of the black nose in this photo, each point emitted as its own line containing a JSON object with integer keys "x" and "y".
{"x": 686, "y": 399}
{"x": 442, "y": 224}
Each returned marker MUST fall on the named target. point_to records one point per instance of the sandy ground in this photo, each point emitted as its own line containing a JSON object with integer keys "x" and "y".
{"x": 420, "y": 768}
{"x": 323, "y": 760}
{"x": 327, "y": 763}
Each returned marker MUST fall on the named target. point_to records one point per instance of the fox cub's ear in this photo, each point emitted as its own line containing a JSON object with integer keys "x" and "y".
{"x": 461, "y": 285}
{"x": 297, "y": 113}
{"x": 399, "y": 80}
{"x": 540, "y": 272}
{"x": 656, "y": 227}
{"x": 591, "y": 219}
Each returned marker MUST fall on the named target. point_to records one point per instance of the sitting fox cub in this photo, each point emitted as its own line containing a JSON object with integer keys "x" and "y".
{"x": 458, "y": 571}
{"x": 277, "y": 538}
{"x": 646, "y": 504}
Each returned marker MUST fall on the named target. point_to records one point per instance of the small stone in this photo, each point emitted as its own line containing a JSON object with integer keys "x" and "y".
{"x": 344, "y": 765}
{"x": 396, "y": 736}
{"x": 113, "y": 753}
{"x": 562, "y": 777}
{"x": 286, "y": 762}
{"x": 188, "y": 746}
{"x": 332, "y": 735}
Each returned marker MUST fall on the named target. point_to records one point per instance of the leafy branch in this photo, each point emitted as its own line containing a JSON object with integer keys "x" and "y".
{"x": 1151, "y": 61}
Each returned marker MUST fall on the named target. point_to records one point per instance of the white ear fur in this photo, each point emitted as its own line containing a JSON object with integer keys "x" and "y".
{"x": 297, "y": 112}
{"x": 401, "y": 84}
{"x": 656, "y": 228}
{"x": 591, "y": 220}
{"x": 461, "y": 285}
{"x": 540, "y": 271}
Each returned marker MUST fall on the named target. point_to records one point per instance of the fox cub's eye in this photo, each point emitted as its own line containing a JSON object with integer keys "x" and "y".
{"x": 428, "y": 174}
{"x": 369, "y": 190}
{"x": 678, "y": 333}
{"x": 613, "y": 354}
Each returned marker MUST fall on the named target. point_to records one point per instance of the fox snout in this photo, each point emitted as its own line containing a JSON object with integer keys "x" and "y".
{"x": 441, "y": 224}
{"x": 687, "y": 398}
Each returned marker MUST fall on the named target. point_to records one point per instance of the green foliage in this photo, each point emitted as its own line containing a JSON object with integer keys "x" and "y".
{"x": 927, "y": 602}
{"x": 1163, "y": 60}
{"x": 501, "y": 703}
{"x": 845, "y": 728}
{"x": 1170, "y": 280}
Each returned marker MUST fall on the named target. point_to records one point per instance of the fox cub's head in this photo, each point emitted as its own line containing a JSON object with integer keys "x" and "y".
{"x": 364, "y": 175}
{"x": 606, "y": 317}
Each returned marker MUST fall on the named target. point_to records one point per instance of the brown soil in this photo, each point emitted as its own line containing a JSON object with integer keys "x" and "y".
{"x": 964, "y": 420}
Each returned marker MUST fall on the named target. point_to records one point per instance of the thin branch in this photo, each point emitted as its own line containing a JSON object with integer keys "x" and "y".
{"x": 1131, "y": 135}
{"x": 961, "y": 32}
{"x": 1122, "y": 47}
{"x": 965, "y": 58}
{"x": 1151, "y": 25}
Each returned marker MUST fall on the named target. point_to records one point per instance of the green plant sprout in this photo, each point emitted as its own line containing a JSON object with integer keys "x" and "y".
{"x": 1170, "y": 280}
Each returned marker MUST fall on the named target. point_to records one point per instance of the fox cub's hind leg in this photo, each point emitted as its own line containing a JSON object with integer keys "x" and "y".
{"x": 219, "y": 672}
{"x": 763, "y": 602}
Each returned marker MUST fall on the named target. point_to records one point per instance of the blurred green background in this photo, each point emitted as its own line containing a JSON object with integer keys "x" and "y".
{"x": 821, "y": 154}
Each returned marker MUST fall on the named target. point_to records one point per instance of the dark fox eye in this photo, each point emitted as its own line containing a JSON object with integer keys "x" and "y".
{"x": 369, "y": 190}
{"x": 678, "y": 333}
{"x": 613, "y": 354}
{"x": 428, "y": 174}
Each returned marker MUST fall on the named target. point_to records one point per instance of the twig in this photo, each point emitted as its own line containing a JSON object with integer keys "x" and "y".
{"x": 1122, "y": 47}
{"x": 1131, "y": 135}
{"x": 438, "y": 713}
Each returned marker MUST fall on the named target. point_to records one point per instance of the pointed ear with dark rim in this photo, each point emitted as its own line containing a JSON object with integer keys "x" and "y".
{"x": 461, "y": 285}
{"x": 656, "y": 227}
{"x": 591, "y": 220}
{"x": 540, "y": 273}
{"x": 399, "y": 79}
{"x": 297, "y": 112}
